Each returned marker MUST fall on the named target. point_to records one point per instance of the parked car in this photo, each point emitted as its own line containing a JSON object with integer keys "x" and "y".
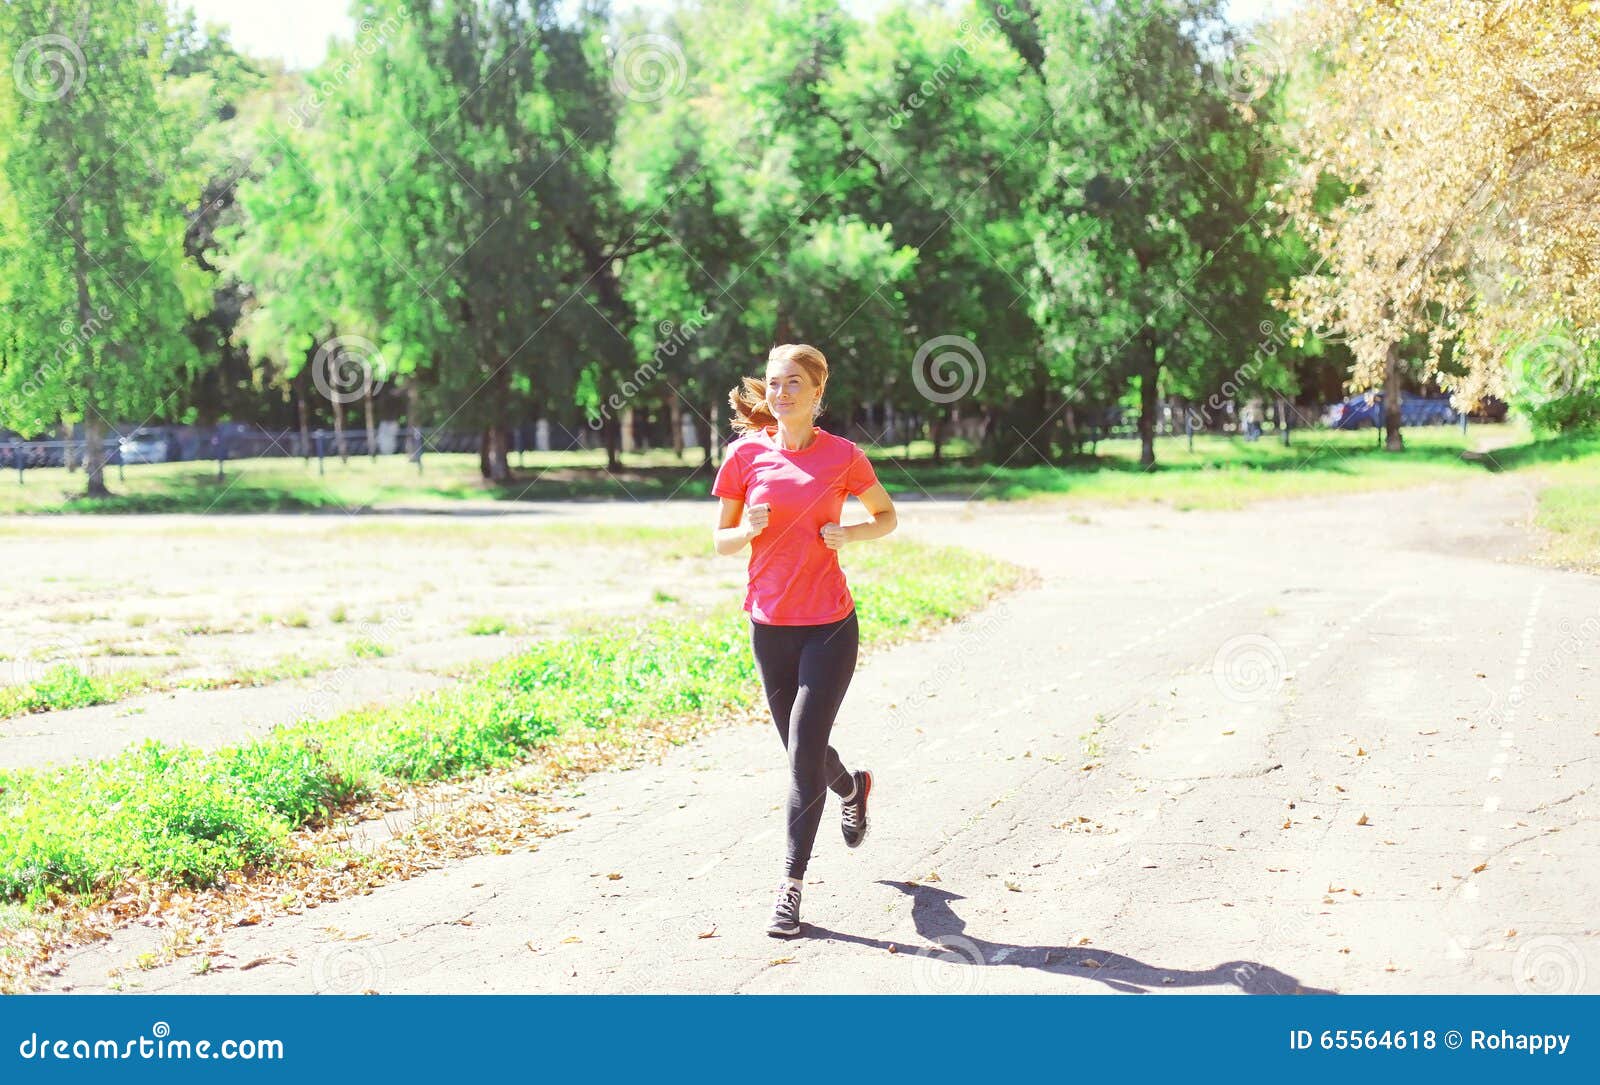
{"x": 1360, "y": 410}
{"x": 145, "y": 445}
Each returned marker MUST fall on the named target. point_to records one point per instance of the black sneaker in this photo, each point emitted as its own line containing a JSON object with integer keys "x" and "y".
{"x": 785, "y": 922}
{"x": 853, "y": 819}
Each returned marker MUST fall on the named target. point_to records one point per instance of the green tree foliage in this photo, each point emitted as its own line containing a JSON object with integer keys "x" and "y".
{"x": 94, "y": 156}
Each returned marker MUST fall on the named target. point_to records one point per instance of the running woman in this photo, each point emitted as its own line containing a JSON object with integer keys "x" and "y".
{"x": 783, "y": 486}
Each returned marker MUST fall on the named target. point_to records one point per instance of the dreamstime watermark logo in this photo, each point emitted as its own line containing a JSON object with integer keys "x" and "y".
{"x": 370, "y": 37}
{"x": 677, "y": 337}
{"x": 989, "y": 29}
{"x": 1249, "y": 668}
{"x": 48, "y": 68}
{"x": 659, "y": 951}
{"x": 1550, "y": 366}
{"x": 973, "y": 632}
{"x": 649, "y": 67}
{"x": 74, "y": 336}
{"x": 947, "y": 368}
{"x": 51, "y": 655}
{"x": 382, "y": 633}
{"x": 1549, "y": 965}
{"x": 348, "y": 368}
{"x": 1576, "y": 644}
{"x": 348, "y": 968}
{"x": 951, "y": 966}
{"x": 1249, "y": 72}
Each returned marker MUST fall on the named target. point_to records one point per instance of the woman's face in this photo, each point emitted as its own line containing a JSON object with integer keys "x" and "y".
{"x": 790, "y": 393}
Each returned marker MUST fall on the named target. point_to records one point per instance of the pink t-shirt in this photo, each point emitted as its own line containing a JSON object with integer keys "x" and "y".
{"x": 794, "y": 578}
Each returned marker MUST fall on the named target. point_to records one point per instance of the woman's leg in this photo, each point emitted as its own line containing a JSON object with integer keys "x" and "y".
{"x": 827, "y": 662}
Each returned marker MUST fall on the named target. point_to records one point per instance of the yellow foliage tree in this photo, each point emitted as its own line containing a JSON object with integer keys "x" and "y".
{"x": 1466, "y": 136}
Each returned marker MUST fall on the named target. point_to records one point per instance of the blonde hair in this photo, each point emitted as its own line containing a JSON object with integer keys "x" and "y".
{"x": 749, "y": 397}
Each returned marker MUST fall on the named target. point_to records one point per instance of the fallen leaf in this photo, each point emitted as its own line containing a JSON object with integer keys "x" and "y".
{"x": 1286, "y": 823}
{"x": 613, "y": 877}
{"x": 1480, "y": 868}
{"x": 712, "y": 933}
{"x": 1090, "y": 962}
{"x": 1362, "y": 820}
{"x": 781, "y": 960}
{"x": 570, "y": 938}
{"x": 893, "y": 948}
{"x": 1360, "y": 752}
{"x": 1338, "y": 787}
{"x": 1014, "y": 887}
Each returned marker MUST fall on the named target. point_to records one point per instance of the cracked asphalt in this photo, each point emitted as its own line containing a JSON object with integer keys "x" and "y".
{"x": 1343, "y": 745}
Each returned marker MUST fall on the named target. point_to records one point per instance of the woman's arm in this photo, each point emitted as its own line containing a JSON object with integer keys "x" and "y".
{"x": 734, "y": 529}
{"x": 879, "y": 507}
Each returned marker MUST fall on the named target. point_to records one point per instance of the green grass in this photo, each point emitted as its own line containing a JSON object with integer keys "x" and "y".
{"x": 1221, "y": 472}
{"x": 1569, "y": 505}
{"x": 191, "y": 816}
{"x": 486, "y": 626}
{"x": 66, "y": 686}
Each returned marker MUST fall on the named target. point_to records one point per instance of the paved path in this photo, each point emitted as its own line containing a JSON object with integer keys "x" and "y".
{"x": 1331, "y": 746}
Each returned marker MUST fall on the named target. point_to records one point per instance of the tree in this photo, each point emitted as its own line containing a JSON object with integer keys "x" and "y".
{"x": 1151, "y": 257}
{"x": 1463, "y": 135}
{"x": 94, "y": 143}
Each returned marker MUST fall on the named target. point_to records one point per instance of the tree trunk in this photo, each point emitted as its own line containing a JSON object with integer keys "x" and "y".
{"x": 338, "y": 431}
{"x": 675, "y": 420}
{"x": 493, "y": 463}
{"x": 611, "y": 431}
{"x": 1392, "y": 441}
{"x": 413, "y": 411}
{"x": 708, "y": 438}
{"x": 94, "y": 455}
{"x": 936, "y": 431}
{"x": 303, "y": 410}
{"x": 1148, "y": 405}
{"x": 372, "y": 425}
{"x": 69, "y": 456}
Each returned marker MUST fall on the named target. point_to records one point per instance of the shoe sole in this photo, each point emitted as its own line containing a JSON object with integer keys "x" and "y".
{"x": 866, "y": 796}
{"x": 780, "y": 932}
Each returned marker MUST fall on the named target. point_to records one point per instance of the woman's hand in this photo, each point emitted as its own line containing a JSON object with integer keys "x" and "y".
{"x": 833, "y": 536}
{"x": 755, "y": 519}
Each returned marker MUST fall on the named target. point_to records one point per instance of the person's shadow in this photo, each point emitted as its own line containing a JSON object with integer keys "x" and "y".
{"x": 939, "y": 925}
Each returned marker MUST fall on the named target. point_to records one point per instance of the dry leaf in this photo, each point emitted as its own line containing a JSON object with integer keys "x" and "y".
{"x": 1360, "y": 752}
{"x": 613, "y": 877}
{"x": 1286, "y": 823}
{"x": 1362, "y": 820}
{"x": 712, "y": 933}
{"x": 781, "y": 960}
{"x": 1014, "y": 887}
{"x": 1480, "y": 868}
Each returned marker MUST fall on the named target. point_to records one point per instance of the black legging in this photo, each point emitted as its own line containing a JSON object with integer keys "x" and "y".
{"x": 805, "y": 670}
